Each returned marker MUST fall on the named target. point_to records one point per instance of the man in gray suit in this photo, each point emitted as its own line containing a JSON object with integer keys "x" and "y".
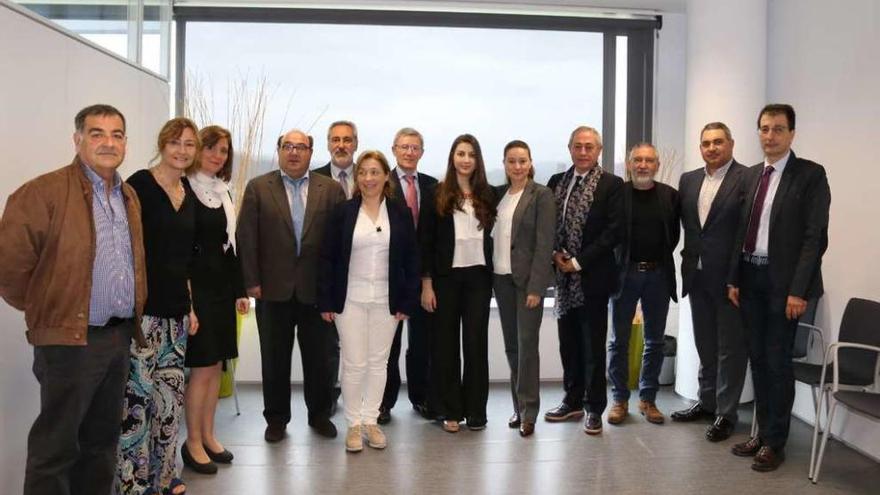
{"x": 711, "y": 199}
{"x": 280, "y": 232}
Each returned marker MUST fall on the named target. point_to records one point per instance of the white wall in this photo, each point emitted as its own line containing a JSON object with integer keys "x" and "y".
{"x": 822, "y": 58}
{"x": 47, "y": 76}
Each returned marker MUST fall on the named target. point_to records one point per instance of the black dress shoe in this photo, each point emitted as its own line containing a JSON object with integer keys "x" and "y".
{"x": 514, "y": 421}
{"x": 275, "y": 432}
{"x": 748, "y": 448}
{"x": 720, "y": 430}
{"x": 224, "y": 457}
{"x": 692, "y": 413}
{"x": 199, "y": 467}
{"x": 384, "y": 416}
{"x": 323, "y": 427}
{"x": 476, "y": 424}
{"x": 563, "y": 412}
{"x": 526, "y": 429}
{"x": 593, "y": 424}
{"x": 424, "y": 412}
{"x": 768, "y": 459}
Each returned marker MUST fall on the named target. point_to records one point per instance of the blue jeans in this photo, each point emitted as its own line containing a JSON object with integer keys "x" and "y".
{"x": 652, "y": 288}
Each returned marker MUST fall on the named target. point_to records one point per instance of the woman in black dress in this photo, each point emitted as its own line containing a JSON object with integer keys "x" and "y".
{"x": 217, "y": 292}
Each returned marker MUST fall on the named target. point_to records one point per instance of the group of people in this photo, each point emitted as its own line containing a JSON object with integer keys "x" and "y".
{"x": 125, "y": 284}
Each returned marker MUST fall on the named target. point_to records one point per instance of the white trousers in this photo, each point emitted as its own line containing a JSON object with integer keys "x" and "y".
{"x": 366, "y": 332}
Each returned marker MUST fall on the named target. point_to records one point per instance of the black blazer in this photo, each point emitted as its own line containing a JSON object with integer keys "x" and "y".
{"x": 798, "y": 228}
{"x": 426, "y": 192}
{"x": 713, "y": 242}
{"x": 325, "y": 170}
{"x": 602, "y": 232}
{"x": 403, "y": 261}
{"x": 437, "y": 240}
{"x": 670, "y": 207}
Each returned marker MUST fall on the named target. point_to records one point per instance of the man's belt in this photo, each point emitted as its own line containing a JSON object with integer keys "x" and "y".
{"x": 645, "y": 266}
{"x": 754, "y": 259}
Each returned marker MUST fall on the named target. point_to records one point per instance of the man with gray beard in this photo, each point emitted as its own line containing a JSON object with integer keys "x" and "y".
{"x": 651, "y": 212}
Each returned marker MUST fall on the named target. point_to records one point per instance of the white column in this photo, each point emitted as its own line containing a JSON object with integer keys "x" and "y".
{"x": 727, "y": 82}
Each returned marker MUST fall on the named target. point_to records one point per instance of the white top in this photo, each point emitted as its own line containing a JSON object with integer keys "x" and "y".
{"x": 502, "y": 232}
{"x": 708, "y": 191}
{"x": 468, "y": 238}
{"x": 368, "y": 267}
{"x": 764, "y": 226}
{"x": 349, "y": 178}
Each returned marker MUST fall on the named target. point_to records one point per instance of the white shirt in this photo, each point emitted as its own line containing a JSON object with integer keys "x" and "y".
{"x": 764, "y": 226}
{"x": 502, "y": 232}
{"x": 708, "y": 191}
{"x": 368, "y": 266}
{"x": 303, "y": 190}
{"x": 349, "y": 177}
{"x": 468, "y": 238}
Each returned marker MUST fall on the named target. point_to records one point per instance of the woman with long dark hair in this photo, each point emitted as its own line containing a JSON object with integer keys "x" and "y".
{"x": 457, "y": 285}
{"x": 217, "y": 292}
{"x": 523, "y": 251}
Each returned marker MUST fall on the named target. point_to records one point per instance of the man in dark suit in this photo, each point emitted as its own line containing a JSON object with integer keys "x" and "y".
{"x": 588, "y": 228}
{"x": 280, "y": 231}
{"x": 342, "y": 143}
{"x": 711, "y": 200}
{"x": 647, "y": 274}
{"x": 775, "y": 269}
{"x": 413, "y": 189}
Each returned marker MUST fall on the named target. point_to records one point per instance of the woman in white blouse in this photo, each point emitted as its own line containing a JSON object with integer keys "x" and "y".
{"x": 522, "y": 254}
{"x": 457, "y": 286}
{"x": 369, "y": 282}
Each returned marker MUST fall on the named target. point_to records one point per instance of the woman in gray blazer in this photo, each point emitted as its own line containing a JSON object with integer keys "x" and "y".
{"x": 522, "y": 263}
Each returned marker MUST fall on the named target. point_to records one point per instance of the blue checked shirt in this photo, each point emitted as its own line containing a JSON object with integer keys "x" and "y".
{"x": 113, "y": 266}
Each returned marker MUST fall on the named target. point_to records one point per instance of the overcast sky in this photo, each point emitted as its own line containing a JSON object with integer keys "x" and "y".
{"x": 496, "y": 84}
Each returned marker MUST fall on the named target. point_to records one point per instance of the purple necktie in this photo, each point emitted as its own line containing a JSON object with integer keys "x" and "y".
{"x": 757, "y": 208}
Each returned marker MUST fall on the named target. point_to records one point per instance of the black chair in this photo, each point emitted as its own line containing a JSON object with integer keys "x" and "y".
{"x": 856, "y": 359}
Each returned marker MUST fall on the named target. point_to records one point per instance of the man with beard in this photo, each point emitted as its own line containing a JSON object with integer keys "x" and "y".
{"x": 647, "y": 274}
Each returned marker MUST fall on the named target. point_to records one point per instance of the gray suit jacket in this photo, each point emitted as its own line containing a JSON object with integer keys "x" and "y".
{"x": 532, "y": 235}
{"x": 266, "y": 240}
{"x": 712, "y": 242}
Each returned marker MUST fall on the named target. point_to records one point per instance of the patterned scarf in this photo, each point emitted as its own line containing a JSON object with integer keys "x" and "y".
{"x": 569, "y": 233}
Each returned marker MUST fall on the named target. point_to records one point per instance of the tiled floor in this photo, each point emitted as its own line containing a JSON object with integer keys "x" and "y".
{"x": 635, "y": 457}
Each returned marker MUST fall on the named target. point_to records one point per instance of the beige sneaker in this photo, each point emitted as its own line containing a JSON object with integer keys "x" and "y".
{"x": 375, "y": 438}
{"x": 354, "y": 441}
{"x": 618, "y": 412}
{"x": 650, "y": 412}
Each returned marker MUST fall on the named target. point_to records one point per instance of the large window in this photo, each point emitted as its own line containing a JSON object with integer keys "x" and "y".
{"x": 499, "y": 77}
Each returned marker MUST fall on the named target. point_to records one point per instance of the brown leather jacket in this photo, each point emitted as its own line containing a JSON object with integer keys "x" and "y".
{"x": 47, "y": 249}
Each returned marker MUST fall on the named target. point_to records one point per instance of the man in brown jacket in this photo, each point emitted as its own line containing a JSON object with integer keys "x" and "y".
{"x": 72, "y": 258}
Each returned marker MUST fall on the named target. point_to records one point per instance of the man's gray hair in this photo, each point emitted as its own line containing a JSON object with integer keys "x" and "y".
{"x": 584, "y": 128}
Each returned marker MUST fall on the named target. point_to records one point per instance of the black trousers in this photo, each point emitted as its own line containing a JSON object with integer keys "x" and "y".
{"x": 418, "y": 362}
{"x": 72, "y": 444}
{"x": 278, "y": 323}
{"x": 771, "y": 337}
{"x": 722, "y": 345}
{"x": 582, "y": 334}
{"x": 461, "y": 329}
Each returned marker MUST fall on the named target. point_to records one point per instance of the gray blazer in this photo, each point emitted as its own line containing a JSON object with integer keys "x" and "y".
{"x": 713, "y": 242}
{"x": 531, "y": 240}
{"x": 266, "y": 241}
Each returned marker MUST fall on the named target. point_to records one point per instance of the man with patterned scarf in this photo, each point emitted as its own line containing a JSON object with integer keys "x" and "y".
{"x": 588, "y": 227}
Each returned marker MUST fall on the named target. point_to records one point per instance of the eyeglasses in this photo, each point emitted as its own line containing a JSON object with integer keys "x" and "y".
{"x": 290, "y": 147}
{"x": 772, "y": 130}
{"x": 408, "y": 147}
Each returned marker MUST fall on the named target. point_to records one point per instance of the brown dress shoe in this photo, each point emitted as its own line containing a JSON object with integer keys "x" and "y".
{"x": 514, "y": 421}
{"x": 526, "y": 429}
{"x": 618, "y": 412}
{"x": 651, "y": 413}
{"x": 748, "y": 448}
{"x": 768, "y": 459}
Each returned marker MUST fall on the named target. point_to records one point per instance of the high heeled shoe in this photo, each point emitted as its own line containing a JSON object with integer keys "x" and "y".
{"x": 199, "y": 467}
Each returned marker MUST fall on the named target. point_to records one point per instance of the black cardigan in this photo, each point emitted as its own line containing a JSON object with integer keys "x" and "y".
{"x": 403, "y": 259}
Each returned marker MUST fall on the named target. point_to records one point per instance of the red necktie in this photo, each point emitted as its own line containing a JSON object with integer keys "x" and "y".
{"x": 412, "y": 199}
{"x": 757, "y": 208}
